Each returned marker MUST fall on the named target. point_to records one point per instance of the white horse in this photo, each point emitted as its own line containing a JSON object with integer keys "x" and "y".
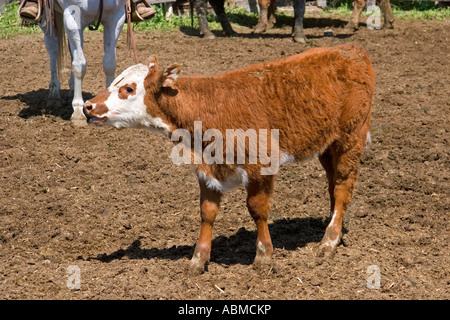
{"x": 74, "y": 16}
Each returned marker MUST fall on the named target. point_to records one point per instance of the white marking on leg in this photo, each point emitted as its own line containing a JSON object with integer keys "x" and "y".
{"x": 368, "y": 140}
{"x": 333, "y": 216}
{"x": 261, "y": 248}
{"x": 332, "y": 242}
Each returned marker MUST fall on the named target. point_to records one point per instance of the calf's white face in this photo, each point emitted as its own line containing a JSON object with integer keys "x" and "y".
{"x": 123, "y": 103}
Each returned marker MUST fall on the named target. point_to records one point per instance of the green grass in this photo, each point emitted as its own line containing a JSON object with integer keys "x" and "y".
{"x": 159, "y": 22}
{"x": 430, "y": 14}
{"x": 11, "y": 25}
{"x": 427, "y": 10}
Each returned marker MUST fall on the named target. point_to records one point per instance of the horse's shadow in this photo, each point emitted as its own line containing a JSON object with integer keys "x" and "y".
{"x": 36, "y": 102}
{"x": 239, "y": 248}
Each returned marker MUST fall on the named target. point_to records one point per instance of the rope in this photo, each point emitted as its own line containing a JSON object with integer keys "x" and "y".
{"x": 130, "y": 36}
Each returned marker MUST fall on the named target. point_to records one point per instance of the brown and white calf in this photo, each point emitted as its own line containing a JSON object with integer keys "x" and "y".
{"x": 319, "y": 100}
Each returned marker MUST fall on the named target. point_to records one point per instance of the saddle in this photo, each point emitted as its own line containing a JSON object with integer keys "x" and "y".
{"x": 140, "y": 10}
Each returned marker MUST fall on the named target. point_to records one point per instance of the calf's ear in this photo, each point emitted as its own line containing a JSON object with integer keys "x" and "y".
{"x": 170, "y": 75}
{"x": 152, "y": 63}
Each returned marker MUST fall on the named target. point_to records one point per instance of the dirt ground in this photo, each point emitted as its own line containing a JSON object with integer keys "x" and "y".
{"x": 112, "y": 205}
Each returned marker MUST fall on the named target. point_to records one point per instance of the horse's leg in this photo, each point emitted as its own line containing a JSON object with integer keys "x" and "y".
{"x": 261, "y": 26}
{"x": 385, "y": 6}
{"x": 271, "y": 19}
{"x": 112, "y": 28}
{"x": 74, "y": 31}
{"x": 200, "y": 8}
{"x": 219, "y": 9}
{"x": 51, "y": 44}
{"x": 358, "y": 6}
{"x": 297, "y": 29}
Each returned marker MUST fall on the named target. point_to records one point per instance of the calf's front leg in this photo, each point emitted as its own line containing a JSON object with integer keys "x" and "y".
{"x": 209, "y": 206}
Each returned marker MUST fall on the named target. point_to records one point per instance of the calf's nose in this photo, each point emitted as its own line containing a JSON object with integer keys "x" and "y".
{"x": 88, "y": 106}
{"x": 95, "y": 109}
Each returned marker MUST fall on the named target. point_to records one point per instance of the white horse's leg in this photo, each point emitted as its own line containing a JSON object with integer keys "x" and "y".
{"x": 51, "y": 44}
{"x": 74, "y": 33}
{"x": 112, "y": 28}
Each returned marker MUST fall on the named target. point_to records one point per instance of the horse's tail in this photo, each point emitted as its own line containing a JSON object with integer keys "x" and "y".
{"x": 60, "y": 34}
{"x": 53, "y": 21}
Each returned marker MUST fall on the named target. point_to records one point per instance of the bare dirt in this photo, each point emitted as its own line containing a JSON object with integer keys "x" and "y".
{"x": 112, "y": 203}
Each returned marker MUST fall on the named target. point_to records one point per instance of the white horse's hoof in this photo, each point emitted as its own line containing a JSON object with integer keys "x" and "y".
{"x": 78, "y": 122}
{"x": 78, "y": 118}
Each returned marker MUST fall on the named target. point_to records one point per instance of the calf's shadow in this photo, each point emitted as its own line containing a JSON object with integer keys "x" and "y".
{"x": 239, "y": 248}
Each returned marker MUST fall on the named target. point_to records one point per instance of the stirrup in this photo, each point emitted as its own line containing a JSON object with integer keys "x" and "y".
{"x": 28, "y": 18}
{"x": 136, "y": 17}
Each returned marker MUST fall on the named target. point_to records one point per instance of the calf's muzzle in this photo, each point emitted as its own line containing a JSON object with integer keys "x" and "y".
{"x": 95, "y": 112}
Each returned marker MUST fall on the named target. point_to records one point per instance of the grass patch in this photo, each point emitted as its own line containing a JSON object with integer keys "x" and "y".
{"x": 427, "y": 10}
{"x": 159, "y": 21}
{"x": 10, "y": 23}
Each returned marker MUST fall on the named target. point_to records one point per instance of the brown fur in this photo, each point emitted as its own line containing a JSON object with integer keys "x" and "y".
{"x": 313, "y": 98}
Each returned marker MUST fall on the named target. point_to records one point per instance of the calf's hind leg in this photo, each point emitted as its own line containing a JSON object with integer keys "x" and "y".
{"x": 326, "y": 160}
{"x": 258, "y": 204}
{"x": 341, "y": 160}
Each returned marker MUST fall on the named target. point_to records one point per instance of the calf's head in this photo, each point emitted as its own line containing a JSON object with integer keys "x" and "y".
{"x": 131, "y": 100}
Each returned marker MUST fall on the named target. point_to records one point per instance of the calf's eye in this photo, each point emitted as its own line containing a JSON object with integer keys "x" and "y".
{"x": 129, "y": 89}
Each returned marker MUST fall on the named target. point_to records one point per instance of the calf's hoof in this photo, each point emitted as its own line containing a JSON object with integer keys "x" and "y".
{"x": 329, "y": 244}
{"x": 194, "y": 271}
{"x": 265, "y": 265}
{"x": 263, "y": 261}
{"x": 326, "y": 252}
{"x": 207, "y": 34}
{"x": 195, "y": 268}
